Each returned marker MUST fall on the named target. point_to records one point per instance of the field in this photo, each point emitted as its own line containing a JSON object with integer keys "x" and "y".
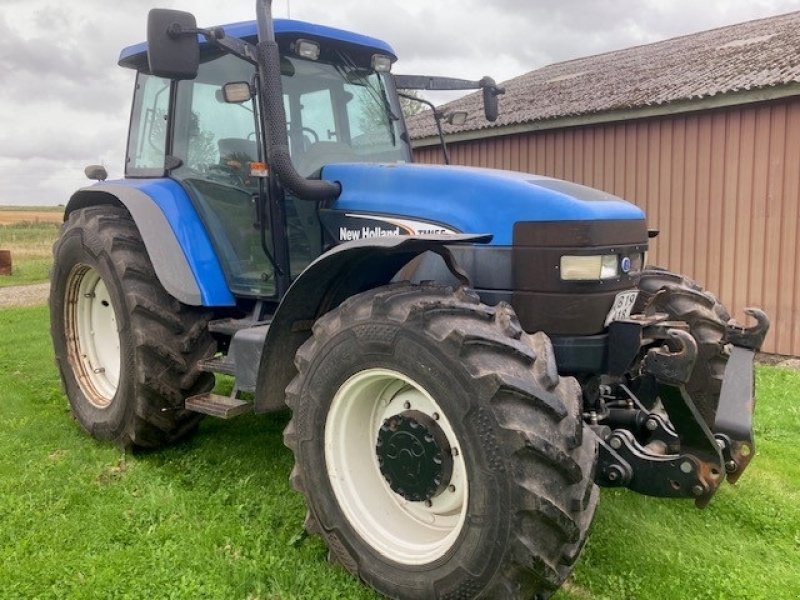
{"x": 29, "y": 233}
{"x": 215, "y": 517}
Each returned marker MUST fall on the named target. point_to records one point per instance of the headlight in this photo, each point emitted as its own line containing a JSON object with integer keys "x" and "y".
{"x": 589, "y": 268}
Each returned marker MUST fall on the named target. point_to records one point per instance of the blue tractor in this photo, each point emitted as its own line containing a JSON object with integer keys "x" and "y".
{"x": 466, "y": 353}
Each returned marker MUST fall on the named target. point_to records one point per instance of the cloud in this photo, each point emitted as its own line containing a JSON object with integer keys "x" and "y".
{"x": 66, "y": 103}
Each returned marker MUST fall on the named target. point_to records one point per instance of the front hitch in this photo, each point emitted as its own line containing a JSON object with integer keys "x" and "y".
{"x": 680, "y": 456}
{"x": 696, "y": 471}
{"x": 733, "y": 424}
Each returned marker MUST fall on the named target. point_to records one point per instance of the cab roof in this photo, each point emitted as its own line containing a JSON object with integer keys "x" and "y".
{"x": 135, "y": 57}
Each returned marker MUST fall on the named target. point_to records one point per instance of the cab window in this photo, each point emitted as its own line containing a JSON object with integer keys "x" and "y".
{"x": 216, "y": 142}
{"x": 149, "y": 123}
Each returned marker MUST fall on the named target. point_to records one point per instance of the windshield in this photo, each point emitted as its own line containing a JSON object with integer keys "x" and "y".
{"x": 338, "y": 112}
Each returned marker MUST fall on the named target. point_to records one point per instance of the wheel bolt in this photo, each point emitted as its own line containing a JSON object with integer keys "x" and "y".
{"x": 428, "y": 503}
{"x": 451, "y": 487}
{"x": 698, "y": 490}
{"x": 406, "y": 405}
{"x": 615, "y": 443}
{"x": 730, "y": 466}
{"x": 686, "y": 467}
{"x": 651, "y": 424}
{"x": 436, "y": 416}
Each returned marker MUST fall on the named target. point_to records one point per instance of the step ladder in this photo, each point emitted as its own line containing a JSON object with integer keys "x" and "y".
{"x": 241, "y": 362}
{"x": 223, "y": 407}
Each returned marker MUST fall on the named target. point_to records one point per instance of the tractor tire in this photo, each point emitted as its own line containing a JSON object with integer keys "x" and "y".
{"x": 439, "y": 452}
{"x": 126, "y": 350}
{"x": 684, "y": 300}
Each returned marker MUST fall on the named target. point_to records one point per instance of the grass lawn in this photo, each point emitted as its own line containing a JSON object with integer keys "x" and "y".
{"x": 215, "y": 517}
{"x": 29, "y": 232}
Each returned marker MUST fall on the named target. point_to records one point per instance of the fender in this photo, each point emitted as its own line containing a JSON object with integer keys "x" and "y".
{"x": 175, "y": 238}
{"x": 344, "y": 271}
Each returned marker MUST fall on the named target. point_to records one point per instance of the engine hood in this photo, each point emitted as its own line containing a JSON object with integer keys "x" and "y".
{"x": 470, "y": 200}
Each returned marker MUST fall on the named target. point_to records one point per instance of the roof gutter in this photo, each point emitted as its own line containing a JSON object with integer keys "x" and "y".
{"x": 656, "y": 110}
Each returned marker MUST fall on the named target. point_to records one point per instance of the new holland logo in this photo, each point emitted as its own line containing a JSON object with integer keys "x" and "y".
{"x": 625, "y": 264}
{"x": 347, "y": 235}
{"x": 392, "y": 227}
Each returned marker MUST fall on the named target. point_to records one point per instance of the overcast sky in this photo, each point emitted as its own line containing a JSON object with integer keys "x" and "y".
{"x": 65, "y": 103}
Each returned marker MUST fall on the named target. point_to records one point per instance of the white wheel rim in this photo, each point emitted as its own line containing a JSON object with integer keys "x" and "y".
{"x": 410, "y": 533}
{"x": 92, "y": 336}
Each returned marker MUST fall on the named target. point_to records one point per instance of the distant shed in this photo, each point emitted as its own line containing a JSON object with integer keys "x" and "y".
{"x": 701, "y": 131}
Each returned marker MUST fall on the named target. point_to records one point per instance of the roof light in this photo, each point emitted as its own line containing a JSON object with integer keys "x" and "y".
{"x": 381, "y": 63}
{"x": 307, "y": 49}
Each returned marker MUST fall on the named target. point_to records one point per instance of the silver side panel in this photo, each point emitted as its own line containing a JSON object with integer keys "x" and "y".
{"x": 166, "y": 254}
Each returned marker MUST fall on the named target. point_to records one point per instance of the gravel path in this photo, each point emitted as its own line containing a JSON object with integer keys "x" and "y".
{"x": 24, "y": 295}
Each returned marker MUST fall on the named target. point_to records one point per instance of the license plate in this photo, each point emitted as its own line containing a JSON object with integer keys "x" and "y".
{"x": 623, "y": 305}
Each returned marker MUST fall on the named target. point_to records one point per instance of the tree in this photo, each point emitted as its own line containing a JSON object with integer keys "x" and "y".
{"x": 412, "y": 107}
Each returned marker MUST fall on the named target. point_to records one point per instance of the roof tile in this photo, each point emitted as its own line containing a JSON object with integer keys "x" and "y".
{"x": 746, "y": 56}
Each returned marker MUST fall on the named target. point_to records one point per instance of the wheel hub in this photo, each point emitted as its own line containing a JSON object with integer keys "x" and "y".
{"x": 414, "y": 456}
{"x": 93, "y": 339}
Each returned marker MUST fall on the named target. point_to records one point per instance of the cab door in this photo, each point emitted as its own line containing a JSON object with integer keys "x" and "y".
{"x": 216, "y": 142}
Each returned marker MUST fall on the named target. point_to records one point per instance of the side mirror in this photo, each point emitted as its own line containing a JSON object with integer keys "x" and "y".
{"x": 490, "y": 93}
{"x": 173, "y": 51}
{"x": 96, "y": 172}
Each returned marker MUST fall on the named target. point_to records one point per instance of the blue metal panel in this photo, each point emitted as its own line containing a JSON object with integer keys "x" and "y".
{"x": 191, "y": 235}
{"x": 470, "y": 200}
{"x": 283, "y": 28}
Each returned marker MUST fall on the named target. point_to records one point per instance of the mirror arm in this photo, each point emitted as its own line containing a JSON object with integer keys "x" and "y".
{"x": 437, "y": 116}
{"x": 237, "y": 47}
{"x": 217, "y": 37}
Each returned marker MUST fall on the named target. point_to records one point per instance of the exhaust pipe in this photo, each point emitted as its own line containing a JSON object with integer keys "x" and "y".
{"x": 277, "y": 137}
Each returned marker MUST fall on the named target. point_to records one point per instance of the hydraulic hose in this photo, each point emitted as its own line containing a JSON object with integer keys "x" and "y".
{"x": 277, "y": 136}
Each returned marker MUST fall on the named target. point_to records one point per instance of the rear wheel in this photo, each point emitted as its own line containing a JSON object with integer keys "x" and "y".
{"x": 439, "y": 451}
{"x": 126, "y": 350}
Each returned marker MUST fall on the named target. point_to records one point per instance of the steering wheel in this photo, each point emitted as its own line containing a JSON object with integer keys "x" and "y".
{"x": 312, "y": 133}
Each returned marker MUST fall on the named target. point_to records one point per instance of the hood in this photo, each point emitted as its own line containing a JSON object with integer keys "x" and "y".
{"x": 471, "y": 200}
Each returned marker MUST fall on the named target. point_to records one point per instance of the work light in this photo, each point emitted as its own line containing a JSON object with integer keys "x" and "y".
{"x": 381, "y": 63}
{"x": 307, "y": 49}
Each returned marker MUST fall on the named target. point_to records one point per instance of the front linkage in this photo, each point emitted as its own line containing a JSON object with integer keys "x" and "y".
{"x": 673, "y": 453}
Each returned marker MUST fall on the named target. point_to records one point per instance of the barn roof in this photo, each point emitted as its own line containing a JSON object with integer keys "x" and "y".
{"x": 748, "y": 56}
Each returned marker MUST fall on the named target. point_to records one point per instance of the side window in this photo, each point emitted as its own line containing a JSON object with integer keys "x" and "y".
{"x": 148, "y": 137}
{"x": 319, "y": 123}
{"x": 216, "y": 142}
{"x": 213, "y": 137}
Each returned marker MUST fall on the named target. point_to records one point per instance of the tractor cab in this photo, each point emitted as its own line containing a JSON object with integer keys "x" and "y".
{"x": 202, "y": 116}
{"x": 340, "y": 106}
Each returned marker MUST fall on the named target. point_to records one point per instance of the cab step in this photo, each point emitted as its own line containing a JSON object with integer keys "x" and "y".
{"x": 230, "y": 327}
{"x": 218, "y": 364}
{"x": 224, "y": 407}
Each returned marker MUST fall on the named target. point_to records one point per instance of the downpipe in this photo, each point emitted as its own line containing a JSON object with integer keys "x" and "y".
{"x": 277, "y": 136}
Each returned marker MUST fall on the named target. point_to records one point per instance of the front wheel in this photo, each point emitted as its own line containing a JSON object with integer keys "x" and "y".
{"x": 439, "y": 451}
